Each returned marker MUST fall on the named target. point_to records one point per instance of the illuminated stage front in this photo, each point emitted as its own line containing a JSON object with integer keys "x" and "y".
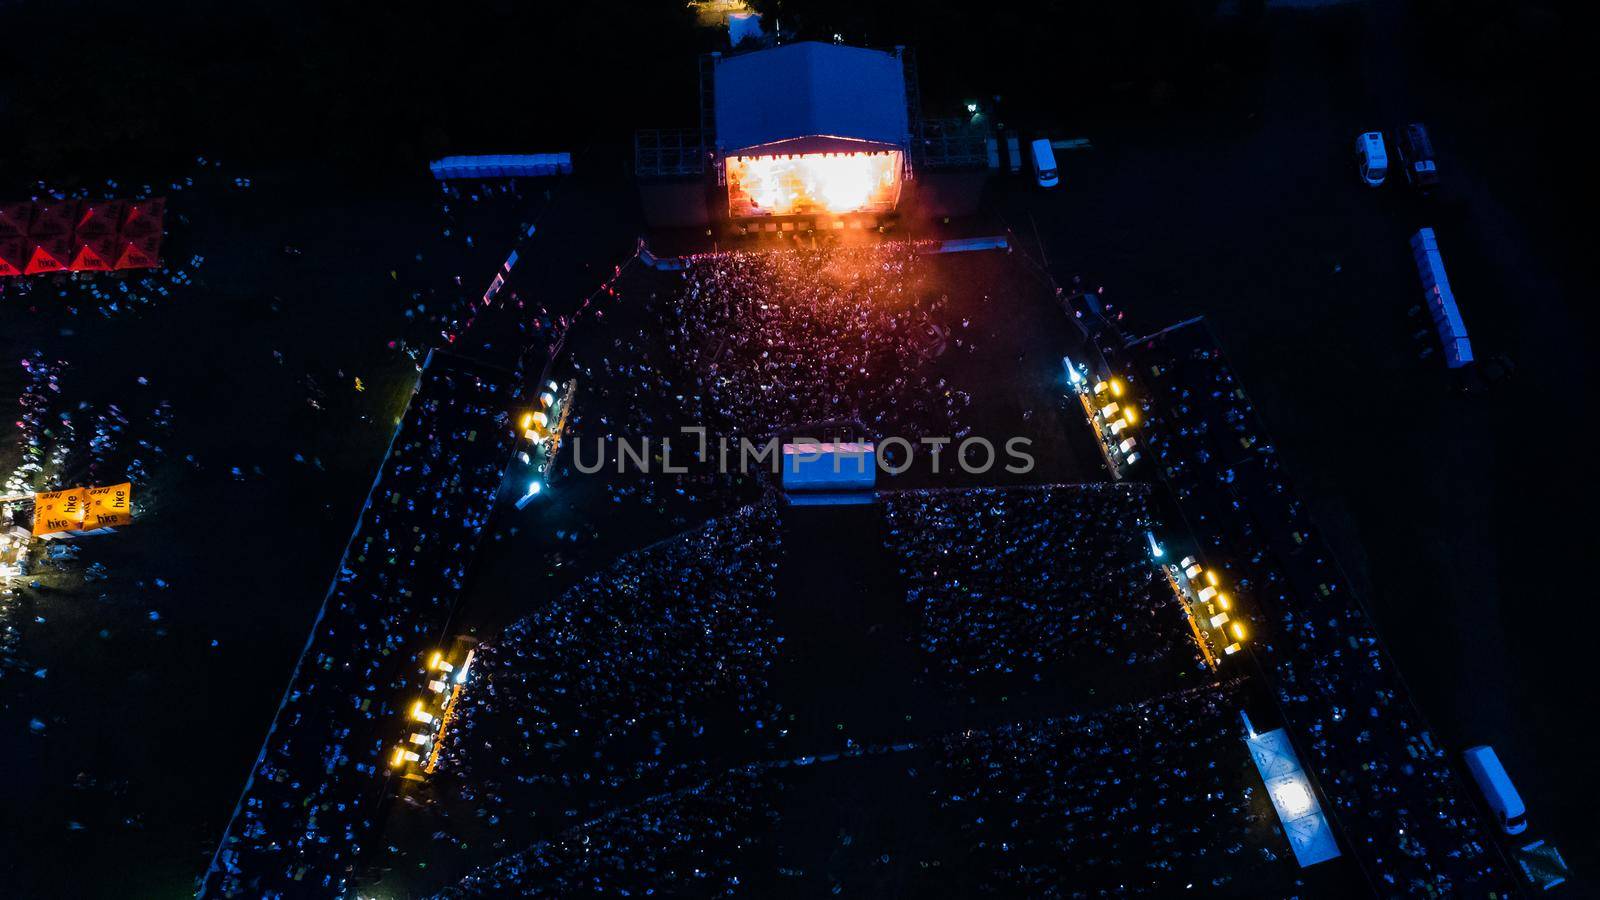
{"x": 802, "y": 184}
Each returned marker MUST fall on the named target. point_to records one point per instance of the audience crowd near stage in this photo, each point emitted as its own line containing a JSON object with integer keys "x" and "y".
{"x": 1010, "y": 582}
{"x": 749, "y": 343}
{"x": 305, "y": 816}
{"x": 785, "y": 338}
{"x": 1390, "y": 783}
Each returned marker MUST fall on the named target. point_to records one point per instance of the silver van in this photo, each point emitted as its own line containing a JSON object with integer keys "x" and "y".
{"x": 1372, "y": 157}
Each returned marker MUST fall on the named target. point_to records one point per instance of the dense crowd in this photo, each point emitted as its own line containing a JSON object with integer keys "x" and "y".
{"x": 747, "y": 344}
{"x": 638, "y": 704}
{"x": 775, "y": 339}
{"x": 1149, "y": 799}
{"x": 686, "y": 843}
{"x": 1391, "y": 785}
{"x": 1013, "y": 581}
{"x": 630, "y": 679}
{"x": 757, "y": 342}
{"x": 308, "y": 806}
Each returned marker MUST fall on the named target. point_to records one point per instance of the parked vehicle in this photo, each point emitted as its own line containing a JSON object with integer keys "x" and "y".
{"x": 1497, "y": 789}
{"x": 1044, "y": 164}
{"x": 1372, "y": 157}
{"x": 1416, "y": 157}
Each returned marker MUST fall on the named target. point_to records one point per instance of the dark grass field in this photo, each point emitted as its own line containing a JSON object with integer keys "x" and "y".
{"x": 152, "y": 722}
{"x": 150, "y": 729}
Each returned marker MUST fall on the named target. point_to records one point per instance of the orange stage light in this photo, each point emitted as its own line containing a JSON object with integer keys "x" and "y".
{"x": 813, "y": 183}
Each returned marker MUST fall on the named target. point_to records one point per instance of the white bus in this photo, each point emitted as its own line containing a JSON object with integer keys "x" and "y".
{"x": 1497, "y": 789}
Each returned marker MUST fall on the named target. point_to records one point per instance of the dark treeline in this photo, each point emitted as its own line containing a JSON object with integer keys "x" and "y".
{"x": 148, "y": 84}
{"x": 1046, "y": 55}
{"x": 85, "y": 82}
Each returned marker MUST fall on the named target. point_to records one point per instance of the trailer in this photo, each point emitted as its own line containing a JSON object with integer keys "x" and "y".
{"x": 1441, "y": 300}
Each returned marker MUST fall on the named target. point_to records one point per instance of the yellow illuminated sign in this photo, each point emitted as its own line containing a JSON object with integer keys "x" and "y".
{"x": 82, "y": 509}
{"x": 110, "y": 506}
{"x": 58, "y": 511}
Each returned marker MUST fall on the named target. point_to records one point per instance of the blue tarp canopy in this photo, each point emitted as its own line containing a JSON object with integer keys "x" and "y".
{"x": 813, "y": 466}
{"x": 810, "y": 97}
{"x": 1292, "y": 796}
{"x": 501, "y": 165}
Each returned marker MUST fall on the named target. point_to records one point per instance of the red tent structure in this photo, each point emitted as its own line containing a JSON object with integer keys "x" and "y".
{"x": 50, "y": 253}
{"x": 13, "y": 255}
{"x": 15, "y": 217}
{"x": 94, "y": 252}
{"x": 80, "y": 235}
{"x": 140, "y": 251}
{"x": 144, "y": 216}
{"x": 53, "y": 218}
{"x": 99, "y": 216}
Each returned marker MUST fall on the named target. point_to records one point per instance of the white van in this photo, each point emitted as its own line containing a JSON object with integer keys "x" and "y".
{"x": 1373, "y": 158}
{"x": 1044, "y": 164}
{"x": 1497, "y": 789}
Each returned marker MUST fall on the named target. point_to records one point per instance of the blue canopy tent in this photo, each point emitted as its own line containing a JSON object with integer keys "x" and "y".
{"x": 501, "y": 166}
{"x": 811, "y": 97}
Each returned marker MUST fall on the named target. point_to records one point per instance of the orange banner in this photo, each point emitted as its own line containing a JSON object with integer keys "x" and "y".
{"x": 57, "y": 511}
{"x": 81, "y": 509}
{"x": 110, "y": 506}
